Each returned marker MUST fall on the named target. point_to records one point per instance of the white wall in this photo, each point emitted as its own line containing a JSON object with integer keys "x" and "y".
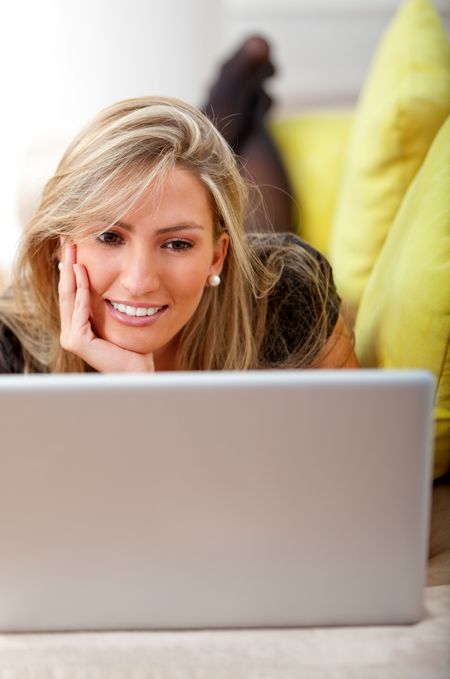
{"x": 322, "y": 48}
{"x": 63, "y": 60}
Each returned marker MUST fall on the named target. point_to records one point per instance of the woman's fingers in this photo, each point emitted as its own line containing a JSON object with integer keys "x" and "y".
{"x": 66, "y": 288}
{"x": 73, "y": 301}
{"x": 76, "y": 330}
{"x": 80, "y": 317}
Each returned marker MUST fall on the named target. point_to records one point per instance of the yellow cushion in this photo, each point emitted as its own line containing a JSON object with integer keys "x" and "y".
{"x": 404, "y": 316}
{"x": 404, "y": 103}
{"x": 312, "y": 147}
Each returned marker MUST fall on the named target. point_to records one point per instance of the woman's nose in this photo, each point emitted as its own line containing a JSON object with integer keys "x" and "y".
{"x": 140, "y": 273}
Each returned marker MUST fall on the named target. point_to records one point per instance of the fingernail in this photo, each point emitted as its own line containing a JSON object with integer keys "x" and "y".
{"x": 60, "y": 266}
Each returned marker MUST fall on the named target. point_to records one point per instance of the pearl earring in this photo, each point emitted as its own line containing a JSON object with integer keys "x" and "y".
{"x": 214, "y": 280}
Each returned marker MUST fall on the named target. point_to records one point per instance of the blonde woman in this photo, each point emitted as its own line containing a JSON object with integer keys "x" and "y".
{"x": 137, "y": 260}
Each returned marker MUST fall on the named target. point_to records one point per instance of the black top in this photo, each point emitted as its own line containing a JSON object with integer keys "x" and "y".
{"x": 294, "y": 307}
{"x": 11, "y": 355}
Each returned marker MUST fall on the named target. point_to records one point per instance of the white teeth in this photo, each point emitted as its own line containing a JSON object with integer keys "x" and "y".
{"x": 136, "y": 310}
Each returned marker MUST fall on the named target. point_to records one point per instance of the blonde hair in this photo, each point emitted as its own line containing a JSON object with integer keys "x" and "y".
{"x": 127, "y": 149}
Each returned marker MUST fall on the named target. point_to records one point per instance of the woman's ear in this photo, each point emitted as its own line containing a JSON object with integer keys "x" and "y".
{"x": 220, "y": 253}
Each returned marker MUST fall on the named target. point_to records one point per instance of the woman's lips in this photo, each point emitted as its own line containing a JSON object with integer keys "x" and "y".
{"x": 135, "y": 315}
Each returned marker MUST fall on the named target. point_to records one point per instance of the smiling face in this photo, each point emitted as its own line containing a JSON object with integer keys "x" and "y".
{"x": 148, "y": 272}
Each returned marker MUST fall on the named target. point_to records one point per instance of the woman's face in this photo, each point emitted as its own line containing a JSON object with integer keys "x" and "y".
{"x": 147, "y": 273}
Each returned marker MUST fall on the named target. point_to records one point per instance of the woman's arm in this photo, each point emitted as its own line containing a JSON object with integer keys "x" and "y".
{"x": 338, "y": 351}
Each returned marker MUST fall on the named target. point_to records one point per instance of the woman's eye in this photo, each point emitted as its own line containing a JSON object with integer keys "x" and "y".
{"x": 178, "y": 244}
{"x": 110, "y": 238}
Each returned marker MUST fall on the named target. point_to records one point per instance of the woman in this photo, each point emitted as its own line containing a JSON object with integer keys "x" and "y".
{"x": 136, "y": 260}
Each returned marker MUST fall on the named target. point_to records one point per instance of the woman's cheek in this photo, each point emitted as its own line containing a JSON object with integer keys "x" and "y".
{"x": 194, "y": 278}
{"x": 101, "y": 270}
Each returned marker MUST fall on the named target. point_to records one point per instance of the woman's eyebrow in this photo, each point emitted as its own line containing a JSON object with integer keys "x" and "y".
{"x": 166, "y": 229}
{"x": 178, "y": 227}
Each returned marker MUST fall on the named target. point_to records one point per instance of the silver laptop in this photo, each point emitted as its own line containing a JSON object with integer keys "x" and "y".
{"x": 200, "y": 500}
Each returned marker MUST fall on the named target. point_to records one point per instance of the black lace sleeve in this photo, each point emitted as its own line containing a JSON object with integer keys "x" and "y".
{"x": 11, "y": 354}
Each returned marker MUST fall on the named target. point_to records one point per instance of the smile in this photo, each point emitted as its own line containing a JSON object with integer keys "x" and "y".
{"x": 135, "y": 316}
{"x": 136, "y": 310}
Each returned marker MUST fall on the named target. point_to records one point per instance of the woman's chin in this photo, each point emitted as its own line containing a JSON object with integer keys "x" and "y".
{"x": 135, "y": 346}
{"x": 137, "y": 340}
{"x": 138, "y": 345}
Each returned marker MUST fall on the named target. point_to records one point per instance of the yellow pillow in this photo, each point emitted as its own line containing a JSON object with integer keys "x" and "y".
{"x": 404, "y": 316}
{"x": 313, "y": 147}
{"x": 403, "y": 105}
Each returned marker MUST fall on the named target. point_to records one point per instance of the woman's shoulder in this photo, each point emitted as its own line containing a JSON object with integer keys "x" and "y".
{"x": 11, "y": 352}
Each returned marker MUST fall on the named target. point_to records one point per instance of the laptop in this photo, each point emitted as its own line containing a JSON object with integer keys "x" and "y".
{"x": 214, "y": 500}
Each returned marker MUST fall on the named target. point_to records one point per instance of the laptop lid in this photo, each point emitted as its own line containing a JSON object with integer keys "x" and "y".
{"x": 193, "y": 500}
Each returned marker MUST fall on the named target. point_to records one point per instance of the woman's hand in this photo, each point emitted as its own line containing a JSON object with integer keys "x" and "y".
{"x": 77, "y": 335}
